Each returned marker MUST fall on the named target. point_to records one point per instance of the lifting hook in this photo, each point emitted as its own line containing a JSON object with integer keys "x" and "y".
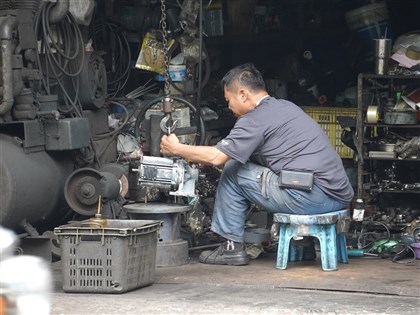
{"x": 167, "y": 125}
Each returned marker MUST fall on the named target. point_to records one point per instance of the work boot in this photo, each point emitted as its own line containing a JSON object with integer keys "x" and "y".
{"x": 229, "y": 253}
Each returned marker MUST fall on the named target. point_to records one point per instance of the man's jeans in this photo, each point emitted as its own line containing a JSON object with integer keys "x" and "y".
{"x": 241, "y": 184}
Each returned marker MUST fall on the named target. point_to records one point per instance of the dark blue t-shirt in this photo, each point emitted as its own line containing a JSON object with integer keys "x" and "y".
{"x": 280, "y": 135}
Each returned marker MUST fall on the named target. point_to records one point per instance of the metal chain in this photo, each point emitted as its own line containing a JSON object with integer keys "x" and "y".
{"x": 165, "y": 46}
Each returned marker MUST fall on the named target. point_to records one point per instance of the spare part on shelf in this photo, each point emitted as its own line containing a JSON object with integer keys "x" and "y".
{"x": 387, "y": 167}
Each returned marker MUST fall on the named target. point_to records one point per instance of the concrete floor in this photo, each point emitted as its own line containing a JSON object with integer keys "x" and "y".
{"x": 364, "y": 286}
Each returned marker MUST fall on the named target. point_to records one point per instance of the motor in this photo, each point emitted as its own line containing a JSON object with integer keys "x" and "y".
{"x": 175, "y": 176}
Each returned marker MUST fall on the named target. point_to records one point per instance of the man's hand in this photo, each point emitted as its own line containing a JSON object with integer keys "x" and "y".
{"x": 168, "y": 144}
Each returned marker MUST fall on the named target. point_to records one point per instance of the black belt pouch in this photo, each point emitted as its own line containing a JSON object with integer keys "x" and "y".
{"x": 297, "y": 180}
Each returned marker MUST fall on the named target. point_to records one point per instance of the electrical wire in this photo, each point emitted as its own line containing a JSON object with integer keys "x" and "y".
{"x": 125, "y": 121}
{"x": 395, "y": 252}
{"x": 364, "y": 234}
{"x": 401, "y": 249}
{"x": 61, "y": 48}
{"x": 110, "y": 38}
{"x": 116, "y": 131}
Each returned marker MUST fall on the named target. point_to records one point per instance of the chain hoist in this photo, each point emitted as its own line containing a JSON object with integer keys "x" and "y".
{"x": 166, "y": 124}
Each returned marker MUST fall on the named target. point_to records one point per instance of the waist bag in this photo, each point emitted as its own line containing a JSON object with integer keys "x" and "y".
{"x": 296, "y": 180}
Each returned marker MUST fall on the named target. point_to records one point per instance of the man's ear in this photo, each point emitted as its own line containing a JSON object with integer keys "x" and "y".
{"x": 243, "y": 94}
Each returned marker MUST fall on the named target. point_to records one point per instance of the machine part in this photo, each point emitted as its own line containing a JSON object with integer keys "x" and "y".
{"x": 106, "y": 149}
{"x": 84, "y": 187}
{"x": 413, "y": 230}
{"x": 137, "y": 192}
{"x": 171, "y": 249}
{"x": 176, "y": 176}
{"x": 155, "y": 134}
{"x": 410, "y": 148}
{"x": 93, "y": 80}
{"x": 180, "y": 131}
{"x": 167, "y": 106}
{"x": 32, "y": 5}
{"x": 31, "y": 183}
{"x": 400, "y": 117}
{"x": 197, "y": 220}
{"x": 59, "y": 11}
{"x": 98, "y": 121}
{"x": 384, "y": 145}
{"x": 47, "y": 102}
{"x": 24, "y": 108}
{"x": 7, "y": 26}
{"x": 67, "y": 134}
{"x": 416, "y": 234}
{"x": 121, "y": 172}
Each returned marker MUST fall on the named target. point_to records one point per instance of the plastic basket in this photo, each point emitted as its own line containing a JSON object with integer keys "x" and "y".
{"x": 116, "y": 258}
{"x": 326, "y": 117}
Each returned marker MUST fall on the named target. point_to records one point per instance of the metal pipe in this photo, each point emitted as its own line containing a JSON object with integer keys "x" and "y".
{"x": 17, "y": 83}
{"x": 7, "y": 26}
{"x": 59, "y": 11}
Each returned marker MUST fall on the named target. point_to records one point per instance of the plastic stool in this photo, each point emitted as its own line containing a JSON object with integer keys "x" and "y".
{"x": 327, "y": 228}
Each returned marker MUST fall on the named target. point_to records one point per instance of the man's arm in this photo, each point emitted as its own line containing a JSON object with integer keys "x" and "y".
{"x": 199, "y": 154}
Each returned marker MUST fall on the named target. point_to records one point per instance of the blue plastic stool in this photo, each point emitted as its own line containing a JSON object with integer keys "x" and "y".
{"x": 327, "y": 228}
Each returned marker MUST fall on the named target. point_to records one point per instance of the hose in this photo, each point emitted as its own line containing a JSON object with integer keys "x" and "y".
{"x": 63, "y": 48}
{"x": 116, "y": 45}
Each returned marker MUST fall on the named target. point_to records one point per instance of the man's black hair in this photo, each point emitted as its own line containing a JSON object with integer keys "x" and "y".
{"x": 246, "y": 75}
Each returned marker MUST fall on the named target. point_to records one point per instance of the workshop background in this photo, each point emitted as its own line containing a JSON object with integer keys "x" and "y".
{"x": 89, "y": 205}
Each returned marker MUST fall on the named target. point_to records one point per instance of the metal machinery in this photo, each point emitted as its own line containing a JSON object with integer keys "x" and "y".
{"x": 57, "y": 150}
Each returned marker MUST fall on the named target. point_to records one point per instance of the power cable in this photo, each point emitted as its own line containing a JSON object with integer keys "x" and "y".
{"x": 110, "y": 38}
{"x": 61, "y": 46}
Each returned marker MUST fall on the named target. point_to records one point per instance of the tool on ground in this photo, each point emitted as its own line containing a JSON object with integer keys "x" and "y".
{"x": 359, "y": 253}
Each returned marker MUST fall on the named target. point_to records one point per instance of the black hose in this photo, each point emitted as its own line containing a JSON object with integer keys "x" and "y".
{"x": 63, "y": 50}
{"x": 119, "y": 70}
{"x": 145, "y": 108}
